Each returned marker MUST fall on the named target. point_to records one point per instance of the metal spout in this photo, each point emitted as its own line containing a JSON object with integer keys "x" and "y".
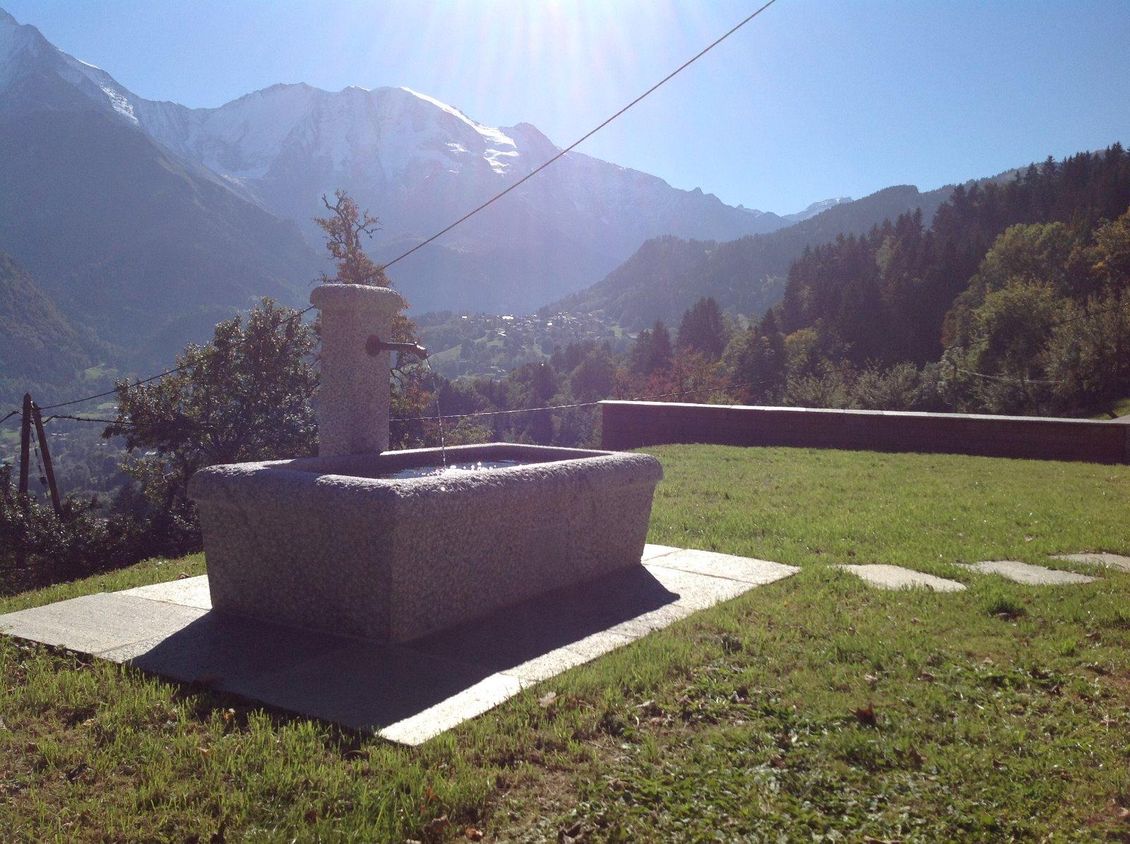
{"x": 375, "y": 345}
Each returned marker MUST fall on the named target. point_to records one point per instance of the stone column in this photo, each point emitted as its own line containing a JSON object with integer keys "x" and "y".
{"x": 353, "y": 398}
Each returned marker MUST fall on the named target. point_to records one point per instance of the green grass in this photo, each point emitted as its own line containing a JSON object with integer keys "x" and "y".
{"x": 805, "y": 506}
{"x": 99, "y": 372}
{"x": 812, "y": 709}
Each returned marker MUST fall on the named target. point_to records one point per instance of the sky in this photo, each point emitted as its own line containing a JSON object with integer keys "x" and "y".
{"x": 812, "y": 99}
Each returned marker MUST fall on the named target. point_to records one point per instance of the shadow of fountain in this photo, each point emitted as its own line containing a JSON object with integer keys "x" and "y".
{"x": 511, "y": 636}
{"x": 368, "y": 685}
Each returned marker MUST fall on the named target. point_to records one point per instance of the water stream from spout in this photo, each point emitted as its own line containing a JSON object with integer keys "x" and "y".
{"x": 439, "y": 414}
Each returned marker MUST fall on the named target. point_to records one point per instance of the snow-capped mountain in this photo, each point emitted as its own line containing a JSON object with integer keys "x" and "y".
{"x": 143, "y": 247}
{"x": 415, "y": 162}
{"x": 815, "y": 208}
{"x": 419, "y": 164}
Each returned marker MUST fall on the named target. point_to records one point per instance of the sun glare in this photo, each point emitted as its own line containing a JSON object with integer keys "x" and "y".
{"x": 490, "y": 58}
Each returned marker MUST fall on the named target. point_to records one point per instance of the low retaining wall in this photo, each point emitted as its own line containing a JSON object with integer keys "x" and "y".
{"x": 628, "y": 424}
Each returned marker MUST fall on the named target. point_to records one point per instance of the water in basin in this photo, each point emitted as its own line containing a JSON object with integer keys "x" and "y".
{"x": 454, "y": 468}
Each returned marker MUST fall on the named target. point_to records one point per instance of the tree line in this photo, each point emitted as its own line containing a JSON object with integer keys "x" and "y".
{"x": 1014, "y": 299}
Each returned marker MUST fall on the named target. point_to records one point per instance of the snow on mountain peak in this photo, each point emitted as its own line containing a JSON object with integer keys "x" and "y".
{"x": 816, "y": 208}
{"x": 119, "y": 102}
{"x": 21, "y": 43}
{"x": 118, "y": 97}
{"x": 500, "y": 146}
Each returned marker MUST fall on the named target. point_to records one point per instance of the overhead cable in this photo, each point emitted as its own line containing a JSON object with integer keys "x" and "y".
{"x": 581, "y": 139}
{"x": 156, "y": 377}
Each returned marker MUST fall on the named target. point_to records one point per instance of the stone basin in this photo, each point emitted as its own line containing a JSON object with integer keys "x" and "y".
{"x": 332, "y": 543}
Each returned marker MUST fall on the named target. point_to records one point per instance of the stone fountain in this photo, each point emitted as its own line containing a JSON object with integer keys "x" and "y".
{"x": 339, "y": 543}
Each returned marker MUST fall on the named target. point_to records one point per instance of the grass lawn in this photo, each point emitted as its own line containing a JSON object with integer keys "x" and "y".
{"x": 815, "y": 708}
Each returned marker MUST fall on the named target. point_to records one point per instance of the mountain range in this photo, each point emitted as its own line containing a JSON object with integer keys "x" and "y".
{"x": 141, "y": 223}
{"x": 136, "y": 213}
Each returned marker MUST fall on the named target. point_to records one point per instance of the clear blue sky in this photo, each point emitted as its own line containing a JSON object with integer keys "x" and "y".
{"x": 812, "y": 99}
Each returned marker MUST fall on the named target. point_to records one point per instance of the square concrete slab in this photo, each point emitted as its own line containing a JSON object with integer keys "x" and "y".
{"x": 406, "y": 692}
{"x": 368, "y": 686}
{"x": 188, "y": 592}
{"x": 896, "y": 577}
{"x": 1028, "y": 574}
{"x": 225, "y": 652}
{"x": 475, "y": 700}
{"x": 539, "y": 627}
{"x": 1101, "y": 558}
{"x": 649, "y": 622}
{"x": 650, "y": 552}
{"x": 694, "y": 590}
{"x": 745, "y": 569}
{"x": 94, "y": 624}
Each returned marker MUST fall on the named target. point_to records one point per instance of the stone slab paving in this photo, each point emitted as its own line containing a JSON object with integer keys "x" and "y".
{"x": 1027, "y": 573}
{"x": 744, "y": 569}
{"x": 94, "y": 624}
{"x": 1101, "y": 558}
{"x": 650, "y": 552}
{"x": 406, "y": 693}
{"x": 188, "y": 592}
{"x": 897, "y": 577}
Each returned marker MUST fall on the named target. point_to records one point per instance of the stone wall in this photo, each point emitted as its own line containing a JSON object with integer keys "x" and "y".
{"x": 628, "y": 424}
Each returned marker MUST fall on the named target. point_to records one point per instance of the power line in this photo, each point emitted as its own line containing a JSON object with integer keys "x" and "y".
{"x": 108, "y": 392}
{"x": 1081, "y": 315}
{"x": 495, "y": 412}
{"x": 85, "y": 419}
{"x": 476, "y": 210}
{"x": 1086, "y": 313}
{"x": 156, "y": 377}
{"x": 582, "y": 139}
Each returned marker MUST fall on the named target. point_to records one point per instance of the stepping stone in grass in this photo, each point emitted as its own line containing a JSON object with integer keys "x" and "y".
{"x": 896, "y": 577}
{"x": 1028, "y": 574}
{"x": 1102, "y": 558}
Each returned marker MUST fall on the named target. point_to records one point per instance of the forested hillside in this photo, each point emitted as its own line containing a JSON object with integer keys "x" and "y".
{"x": 668, "y": 274}
{"x": 37, "y": 342}
{"x": 1017, "y": 289}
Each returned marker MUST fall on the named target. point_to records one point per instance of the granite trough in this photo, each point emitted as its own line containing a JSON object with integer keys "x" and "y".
{"x": 337, "y": 544}
{"x": 395, "y": 545}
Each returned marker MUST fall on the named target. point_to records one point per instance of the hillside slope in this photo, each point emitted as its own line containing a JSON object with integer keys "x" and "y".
{"x": 127, "y": 239}
{"x": 668, "y": 275}
{"x": 36, "y": 340}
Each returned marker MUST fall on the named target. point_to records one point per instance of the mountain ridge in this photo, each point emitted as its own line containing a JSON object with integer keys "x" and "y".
{"x": 667, "y": 275}
{"x": 418, "y": 164}
{"x": 125, "y": 237}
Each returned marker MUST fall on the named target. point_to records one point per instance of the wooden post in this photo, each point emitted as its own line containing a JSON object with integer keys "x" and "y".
{"x": 25, "y": 442}
{"x": 48, "y": 469}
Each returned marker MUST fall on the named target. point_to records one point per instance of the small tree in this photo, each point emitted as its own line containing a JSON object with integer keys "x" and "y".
{"x": 344, "y": 227}
{"x": 243, "y": 396}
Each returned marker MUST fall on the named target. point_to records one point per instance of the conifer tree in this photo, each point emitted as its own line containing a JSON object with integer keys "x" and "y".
{"x": 703, "y": 330}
